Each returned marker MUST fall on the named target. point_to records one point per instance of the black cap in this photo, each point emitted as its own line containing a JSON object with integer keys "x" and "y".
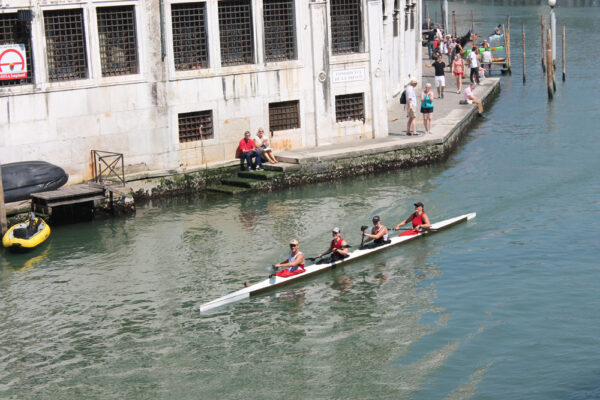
{"x": 376, "y": 218}
{"x": 419, "y": 204}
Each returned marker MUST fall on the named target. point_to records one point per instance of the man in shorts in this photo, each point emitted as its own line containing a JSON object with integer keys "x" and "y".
{"x": 440, "y": 78}
{"x": 411, "y": 108}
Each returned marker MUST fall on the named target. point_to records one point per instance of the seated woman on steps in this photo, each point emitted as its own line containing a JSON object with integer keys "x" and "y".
{"x": 263, "y": 145}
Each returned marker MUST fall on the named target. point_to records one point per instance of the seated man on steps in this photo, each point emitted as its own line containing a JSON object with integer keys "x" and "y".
{"x": 247, "y": 151}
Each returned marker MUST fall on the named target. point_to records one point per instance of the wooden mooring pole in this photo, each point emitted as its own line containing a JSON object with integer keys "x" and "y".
{"x": 507, "y": 44}
{"x": 3, "y": 220}
{"x": 453, "y": 23}
{"x": 472, "y": 22}
{"x": 543, "y": 46}
{"x": 523, "y": 30}
{"x": 563, "y": 55}
{"x": 549, "y": 69}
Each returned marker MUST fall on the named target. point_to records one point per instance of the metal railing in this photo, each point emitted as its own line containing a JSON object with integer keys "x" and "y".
{"x": 105, "y": 166}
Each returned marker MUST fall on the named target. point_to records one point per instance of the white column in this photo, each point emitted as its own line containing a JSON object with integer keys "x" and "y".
{"x": 319, "y": 37}
{"x": 377, "y": 77}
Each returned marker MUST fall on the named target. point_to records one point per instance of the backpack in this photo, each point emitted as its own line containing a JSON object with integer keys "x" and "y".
{"x": 403, "y": 97}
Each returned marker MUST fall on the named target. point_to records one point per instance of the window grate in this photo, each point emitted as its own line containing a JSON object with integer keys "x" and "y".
{"x": 118, "y": 42}
{"x": 65, "y": 44}
{"x": 189, "y": 126}
{"x": 350, "y": 107}
{"x": 13, "y": 31}
{"x": 346, "y": 32}
{"x": 284, "y": 115}
{"x": 280, "y": 31}
{"x": 190, "y": 38}
{"x": 235, "y": 28}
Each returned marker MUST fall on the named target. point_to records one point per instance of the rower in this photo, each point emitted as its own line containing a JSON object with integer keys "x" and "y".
{"x": 338, "y": 248}
{"x": 379, "y": 233}
{"x": 419, "y": 219}
{"x": 294, "y": 264}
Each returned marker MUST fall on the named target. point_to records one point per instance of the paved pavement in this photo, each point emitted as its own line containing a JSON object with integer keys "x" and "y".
{"x": 448, "y": 114}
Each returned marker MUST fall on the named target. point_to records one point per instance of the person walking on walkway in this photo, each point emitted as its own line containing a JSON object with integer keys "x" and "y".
{"x": 440, "y": 76}
{"x": 458, "y": 68}
{"x": 427, "y": 107}
{"x": 411, "y": 108}
{"x": 474, "y": 63}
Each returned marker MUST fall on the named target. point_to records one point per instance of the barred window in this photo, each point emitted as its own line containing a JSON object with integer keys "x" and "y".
{"x": 280, "y": 31}
{"x": 235, "y": 28}
{"x": 190, "y": 38}
{"x": 412, "y": 17}
{"x": 346, "y": 32}
{"x": 14, "y": 31}
{"x": 65, "y": 44}
{"x": 350, "y": 107}
{"x": 118, "y": 41}
{"x": 284, "y": 115}
{"x": 190, "y": 126}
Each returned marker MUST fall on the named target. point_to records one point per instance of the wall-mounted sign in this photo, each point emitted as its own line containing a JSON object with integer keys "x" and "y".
{"x": 13, "y": 63}
{"x": 348, "y": 75}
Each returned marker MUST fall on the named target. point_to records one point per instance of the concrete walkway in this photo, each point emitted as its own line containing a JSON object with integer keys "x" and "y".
{"x": 448, "y": 116}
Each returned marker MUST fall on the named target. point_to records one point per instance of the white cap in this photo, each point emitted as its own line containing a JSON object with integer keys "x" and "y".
{"x": 336, "y": 230}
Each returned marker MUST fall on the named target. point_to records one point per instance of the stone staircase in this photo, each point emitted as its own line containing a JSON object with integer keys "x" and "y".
{"x": 247, "y": 181}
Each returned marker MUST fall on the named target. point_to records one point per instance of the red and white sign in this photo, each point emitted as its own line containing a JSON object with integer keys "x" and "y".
{"x": 13, "y": 63}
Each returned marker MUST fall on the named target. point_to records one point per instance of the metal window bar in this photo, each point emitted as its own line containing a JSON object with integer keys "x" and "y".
{"x": 105, "y": 166}
{"x": 412, "y": 17}
{"x": 13, "y": 31}
{"x": 280, "y": 30}
{"x": 195, "y": 125}
{"x": 235, "y": 29}
{"x": 65, "y": 44}
{"x": 284, "y": 115}
{"x": 190, "y": 38}
{"x": 118, "y": 40}
{"x": 350, "y": 107}
{"x": 346, "y": 32}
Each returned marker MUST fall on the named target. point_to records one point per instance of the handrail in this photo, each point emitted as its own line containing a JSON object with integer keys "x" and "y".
{"x": 104, "y": 164}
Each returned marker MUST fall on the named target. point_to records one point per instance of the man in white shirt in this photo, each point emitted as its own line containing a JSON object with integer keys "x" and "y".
{"x": 474, "y": 63}
{"x": 411, "y": 108}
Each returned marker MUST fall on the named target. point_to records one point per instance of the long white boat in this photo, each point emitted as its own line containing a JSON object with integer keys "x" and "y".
{"x": 277, "y": 281}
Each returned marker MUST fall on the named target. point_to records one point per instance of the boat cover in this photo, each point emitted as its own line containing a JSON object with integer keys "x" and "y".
{"x": 21, "y": 179}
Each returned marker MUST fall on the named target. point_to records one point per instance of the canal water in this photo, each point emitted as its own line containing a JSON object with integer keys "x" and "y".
{"x": 505, "y": 306}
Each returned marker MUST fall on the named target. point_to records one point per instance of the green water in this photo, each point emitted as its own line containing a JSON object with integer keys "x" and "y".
{"x": 505, "y": 306}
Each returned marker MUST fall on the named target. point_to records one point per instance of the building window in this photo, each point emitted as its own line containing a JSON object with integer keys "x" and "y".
{"x": 15, "y": 31}
{"x": 284, "y": 115}
{"x": 118, "y": 43}
{"x": 190, "y": 38}
{"x": 195, "y": 126}
{"x": 350, "y": 107}
{"x": 235, "y": 28}
{"x": 280, "y": 31}
{"x": 346, "y": 32}
{"x": 65, "y": 44}
{"x": 412, "y": 17}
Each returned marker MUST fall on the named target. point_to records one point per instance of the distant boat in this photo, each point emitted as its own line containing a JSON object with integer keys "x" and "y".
{"x": 21, "y": 179}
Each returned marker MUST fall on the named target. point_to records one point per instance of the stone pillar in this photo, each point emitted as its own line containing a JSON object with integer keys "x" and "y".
{"x": 319, "y": 47}
{"x": 377, "y": 62}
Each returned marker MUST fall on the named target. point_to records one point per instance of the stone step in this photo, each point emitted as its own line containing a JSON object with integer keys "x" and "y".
{"x": 259, "y": 175}
{"x": 281, "y": 166}
{"x": 226, "y": 189}
{"x": 242, "y": 182}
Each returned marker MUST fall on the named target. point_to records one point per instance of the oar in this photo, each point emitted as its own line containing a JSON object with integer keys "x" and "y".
{"x": 362, "y": 229}
{"x": 411, "y": 229}
{"x": 327, "y": 252}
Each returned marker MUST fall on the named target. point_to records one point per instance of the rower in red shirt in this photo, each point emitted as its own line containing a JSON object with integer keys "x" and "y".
{"x": 338, "y": 248}
{"x": 419, "y": 220}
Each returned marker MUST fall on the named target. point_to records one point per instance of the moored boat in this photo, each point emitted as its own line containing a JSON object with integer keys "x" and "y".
{"x": 26, "y": 235}
{"x": 277, "y": 281}
{"x": 21, "y": 179}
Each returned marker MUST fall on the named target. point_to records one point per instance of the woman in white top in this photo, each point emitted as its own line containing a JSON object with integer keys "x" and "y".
{"x": 262, "y": 144}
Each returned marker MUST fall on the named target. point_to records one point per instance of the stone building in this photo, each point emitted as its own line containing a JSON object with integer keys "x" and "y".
{"x": 141, "y": 77}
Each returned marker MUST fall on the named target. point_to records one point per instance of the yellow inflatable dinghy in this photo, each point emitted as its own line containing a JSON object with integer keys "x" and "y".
{"x": 26, "y": 235}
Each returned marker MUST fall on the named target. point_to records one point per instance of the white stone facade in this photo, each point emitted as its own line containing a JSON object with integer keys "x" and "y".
{"x": 138, "y": 114}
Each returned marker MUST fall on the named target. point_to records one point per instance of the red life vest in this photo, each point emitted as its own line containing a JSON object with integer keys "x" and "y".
{"x": 337, "y": 245}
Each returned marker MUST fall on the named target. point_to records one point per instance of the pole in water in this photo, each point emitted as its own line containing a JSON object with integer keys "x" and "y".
{"x": 543, "y": 46}
{"x": 563, "y": 55}
{"x": 523, "y": 30}
{"x": 549, "y": 69}
{"x": 3, "y": 220}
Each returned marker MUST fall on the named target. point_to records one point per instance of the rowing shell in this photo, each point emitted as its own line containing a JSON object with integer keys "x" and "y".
{"x": 277, "y": 281}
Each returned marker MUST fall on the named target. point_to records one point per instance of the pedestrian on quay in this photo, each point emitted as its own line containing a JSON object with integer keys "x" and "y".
{"x": 470, "y": 98}
{"x": 474, "y": 63}
{"x": 440, "y": 76}
{"x": 427, "y": 107}
{"x": 458, "y": 68}
{"x": 411, "y": 108}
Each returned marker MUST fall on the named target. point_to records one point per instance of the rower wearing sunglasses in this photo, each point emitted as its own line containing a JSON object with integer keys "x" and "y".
{"x": 294, "y": 264}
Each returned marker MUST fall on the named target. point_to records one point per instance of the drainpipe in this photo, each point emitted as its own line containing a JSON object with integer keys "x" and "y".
{"x": 163, "y": 46}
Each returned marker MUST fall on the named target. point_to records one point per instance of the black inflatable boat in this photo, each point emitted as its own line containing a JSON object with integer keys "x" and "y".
{"x": 21, "y": 179}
